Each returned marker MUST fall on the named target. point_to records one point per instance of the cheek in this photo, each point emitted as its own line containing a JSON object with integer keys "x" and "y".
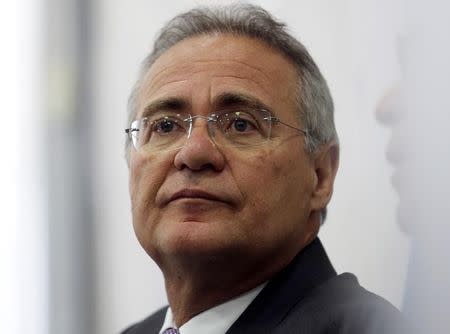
{"x": 146, "y": 176}
{"x": 289, "y": 183}
{"x": 147, "y": 173}
{"x": 275, "y": 184}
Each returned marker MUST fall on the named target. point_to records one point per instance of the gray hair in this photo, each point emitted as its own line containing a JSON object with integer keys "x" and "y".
{"x": 314, "y": 101}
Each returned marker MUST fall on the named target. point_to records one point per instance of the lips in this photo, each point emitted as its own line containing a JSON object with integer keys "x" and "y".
{"x": 197, "y": 194}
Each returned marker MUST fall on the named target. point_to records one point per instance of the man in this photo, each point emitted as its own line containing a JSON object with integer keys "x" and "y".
{"x": 233, "y": 153}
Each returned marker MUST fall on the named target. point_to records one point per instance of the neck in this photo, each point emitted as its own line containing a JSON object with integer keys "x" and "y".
{"x": 195, "y": 284}
{"x": 190, "y": 291}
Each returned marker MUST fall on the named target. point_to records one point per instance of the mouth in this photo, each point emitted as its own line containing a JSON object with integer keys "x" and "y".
{"x": 395, "y": 180}
{"x": 196, "y": 194}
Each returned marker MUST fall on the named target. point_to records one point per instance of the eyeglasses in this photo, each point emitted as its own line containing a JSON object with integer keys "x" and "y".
{"x": 165, "y": 131}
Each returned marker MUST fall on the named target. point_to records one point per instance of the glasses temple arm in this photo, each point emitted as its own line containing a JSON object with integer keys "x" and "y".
{"x": 276, "y": 119}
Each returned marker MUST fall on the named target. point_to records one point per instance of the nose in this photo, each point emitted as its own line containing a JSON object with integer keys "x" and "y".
{"x": 391, "y": 111}
{"x": 199, "y": 152}
{"x": 390, "y": 108}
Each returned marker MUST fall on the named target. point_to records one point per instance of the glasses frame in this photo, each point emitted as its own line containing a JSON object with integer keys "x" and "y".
{"x": 213, "y": 118}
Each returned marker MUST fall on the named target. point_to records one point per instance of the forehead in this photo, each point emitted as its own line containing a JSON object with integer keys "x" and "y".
{"x": 204, "y": 67}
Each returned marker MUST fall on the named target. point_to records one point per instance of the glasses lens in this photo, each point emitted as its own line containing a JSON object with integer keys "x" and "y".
{"x": 243, "y": 127}
{"x": 169, "y": 131}
{"x": 161, "y": 131}
{"x": 134, "y": 133}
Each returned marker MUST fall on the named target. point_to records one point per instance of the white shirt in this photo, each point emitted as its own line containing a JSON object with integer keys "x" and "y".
{"x": 216, "y": 320}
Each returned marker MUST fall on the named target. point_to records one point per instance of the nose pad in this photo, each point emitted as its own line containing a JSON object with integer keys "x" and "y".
{"x": 211, "y": 127}
{"x": 208, "y": 125}
{"x": 199, "y": 132}
{"x": 200, "y": 151}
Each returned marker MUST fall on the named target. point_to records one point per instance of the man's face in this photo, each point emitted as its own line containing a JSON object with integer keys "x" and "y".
{"x": 208, "y": 201}
{"x": 411, "y": 151}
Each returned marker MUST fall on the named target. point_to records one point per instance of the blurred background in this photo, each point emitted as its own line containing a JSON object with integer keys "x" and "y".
{"x": 70, "y": 262}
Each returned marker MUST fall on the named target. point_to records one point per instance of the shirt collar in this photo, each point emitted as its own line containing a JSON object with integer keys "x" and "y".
{"x": 216, "y": 320}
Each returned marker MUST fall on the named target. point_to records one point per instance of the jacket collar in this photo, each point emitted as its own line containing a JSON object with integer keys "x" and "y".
{"x": 310, "y": 268}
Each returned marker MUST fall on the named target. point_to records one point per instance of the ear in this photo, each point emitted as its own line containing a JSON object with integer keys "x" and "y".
{"x": 326, "y": 162}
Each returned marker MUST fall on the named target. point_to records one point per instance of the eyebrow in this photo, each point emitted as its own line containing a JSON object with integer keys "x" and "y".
{"x": 223, "y": 101}
{"x": 233, "y": 99}
{"x": 167, "y": 104}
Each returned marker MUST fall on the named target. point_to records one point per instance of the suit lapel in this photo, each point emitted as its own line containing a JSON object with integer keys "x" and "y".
{"x": 309, "y": 269}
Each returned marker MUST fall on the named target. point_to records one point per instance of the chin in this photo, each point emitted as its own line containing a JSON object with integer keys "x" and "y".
{"x": 196, "y": 238}
{"x": 412, "y": 214}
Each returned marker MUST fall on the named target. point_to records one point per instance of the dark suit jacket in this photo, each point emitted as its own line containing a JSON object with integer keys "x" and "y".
{"x": 307, "y": 297}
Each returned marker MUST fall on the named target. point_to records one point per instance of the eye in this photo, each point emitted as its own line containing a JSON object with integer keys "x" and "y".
{"x": 166, "y": 126}
{"x": 242, "y": 125}
{"x": 157, "y": 127}
{"x": 238, "y": 122}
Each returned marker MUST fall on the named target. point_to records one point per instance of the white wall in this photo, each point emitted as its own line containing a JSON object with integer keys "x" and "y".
{"x": 23, "y": 234}
{"x": 353, "y": 43}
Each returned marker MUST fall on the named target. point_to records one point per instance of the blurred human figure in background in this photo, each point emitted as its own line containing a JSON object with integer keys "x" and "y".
{"x": 417, "y": 109}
